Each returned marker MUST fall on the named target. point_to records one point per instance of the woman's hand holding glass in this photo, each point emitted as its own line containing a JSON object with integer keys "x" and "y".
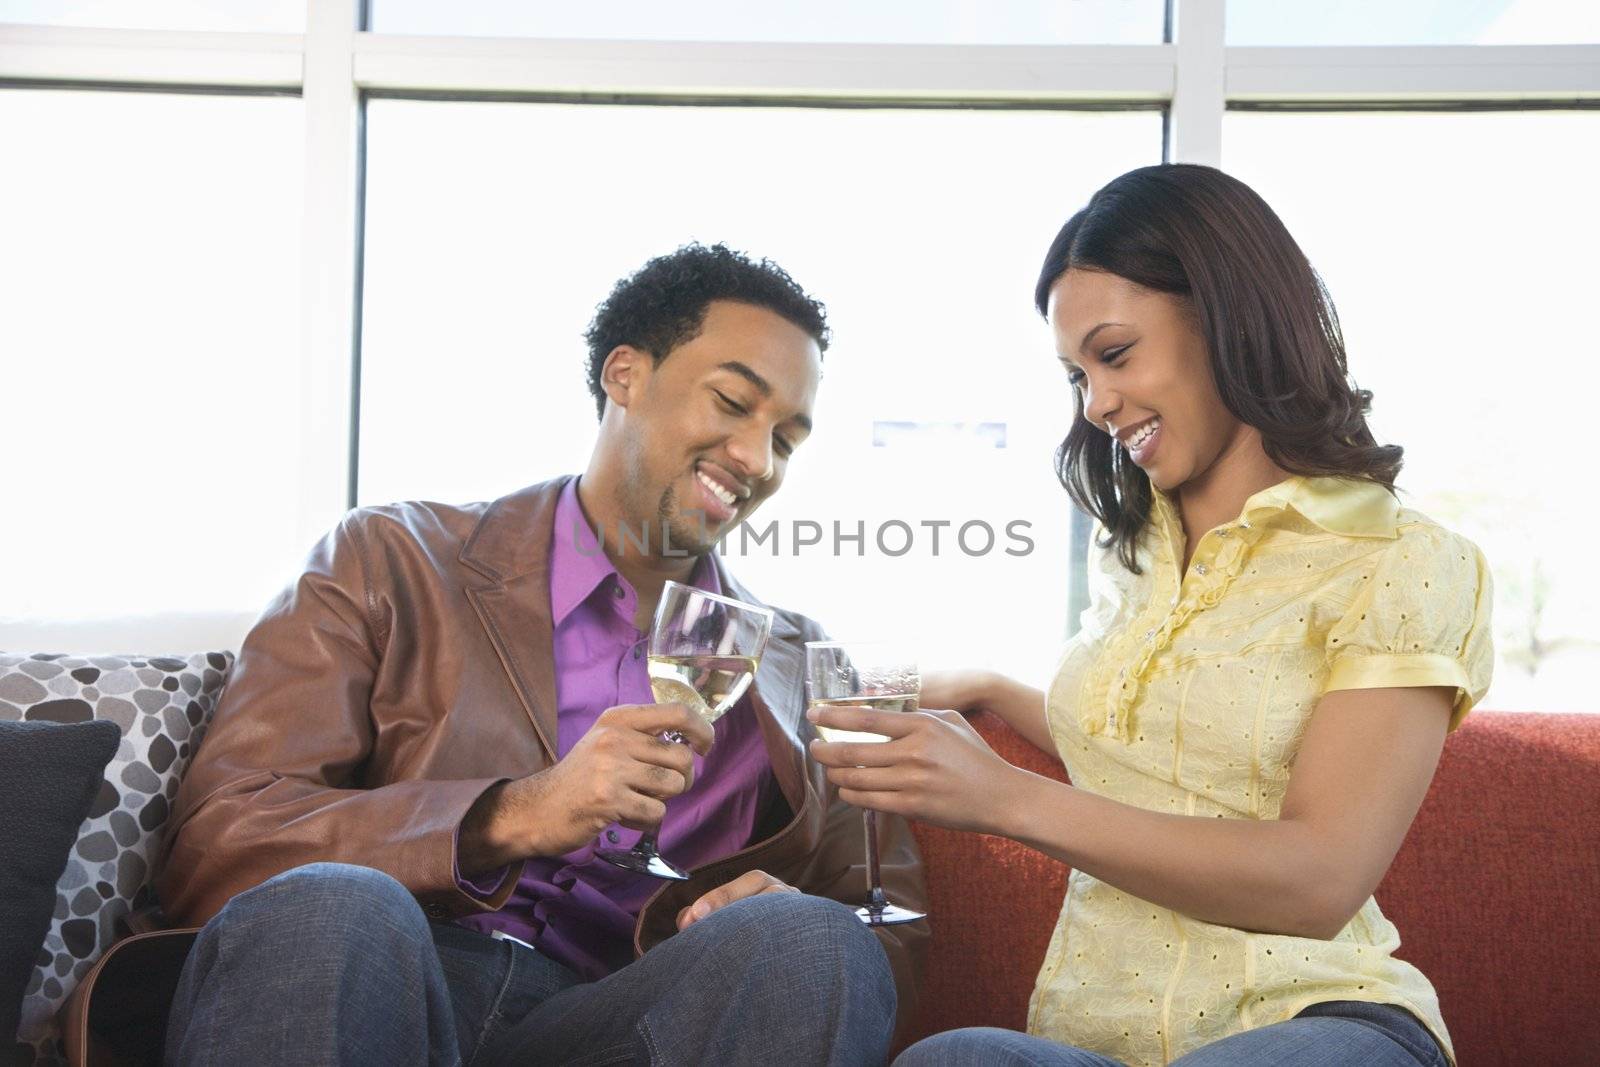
{"x": 848, "y": 675}
{"x": 935, "y": 767}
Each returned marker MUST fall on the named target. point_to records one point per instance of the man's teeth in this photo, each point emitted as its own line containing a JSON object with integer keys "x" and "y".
{"x": 1137, "y": 440}
{"x": 717, "y": 490}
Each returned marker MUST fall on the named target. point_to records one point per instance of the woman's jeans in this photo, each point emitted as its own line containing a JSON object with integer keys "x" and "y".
{"x": 1345, "y": 1033}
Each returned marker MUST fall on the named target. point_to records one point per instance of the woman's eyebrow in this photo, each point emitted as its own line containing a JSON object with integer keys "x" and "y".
{"x": 1083, "y": 346}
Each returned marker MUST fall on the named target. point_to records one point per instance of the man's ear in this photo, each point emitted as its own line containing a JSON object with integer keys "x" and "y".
{"x": 624, "y": 374}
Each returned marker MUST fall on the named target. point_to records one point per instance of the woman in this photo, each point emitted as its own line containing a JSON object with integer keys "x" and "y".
{"x": 1261, "y": 688}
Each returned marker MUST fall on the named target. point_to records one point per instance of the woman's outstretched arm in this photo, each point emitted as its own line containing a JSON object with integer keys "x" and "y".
{"x": 969, "y": 691}
{"x": 1362, "y": 771}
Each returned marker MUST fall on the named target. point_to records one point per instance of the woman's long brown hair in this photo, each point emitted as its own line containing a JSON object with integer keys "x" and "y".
{"x": 1269, "y": 325}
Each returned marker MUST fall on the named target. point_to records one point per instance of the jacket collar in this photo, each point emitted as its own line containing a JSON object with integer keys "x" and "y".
{"x": 510, "y": 546}
{"x": 512, "y": 541}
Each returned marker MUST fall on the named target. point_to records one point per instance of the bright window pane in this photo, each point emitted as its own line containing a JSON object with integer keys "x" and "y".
{"x": 1459, "y": 250}
{"x": 833, "y": 21}
{"x": 494, "y": 229}
{"x": 149, "y": 293}
{"x": 261, "y": 16}
{"x": 1414, "y": 22}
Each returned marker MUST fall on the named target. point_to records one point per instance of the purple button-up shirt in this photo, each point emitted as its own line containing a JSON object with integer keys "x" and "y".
{"x": 576, "y": 909}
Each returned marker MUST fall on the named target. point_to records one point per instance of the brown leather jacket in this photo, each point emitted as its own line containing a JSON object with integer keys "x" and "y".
{"x": 408, "y": 670}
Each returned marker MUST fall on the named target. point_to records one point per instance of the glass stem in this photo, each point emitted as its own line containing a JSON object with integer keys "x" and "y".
{"x": 646, "y": 845}
{"x": 876, "y": 901}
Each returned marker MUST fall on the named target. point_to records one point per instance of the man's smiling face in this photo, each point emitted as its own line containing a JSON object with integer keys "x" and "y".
{"x": 709, "y": 430}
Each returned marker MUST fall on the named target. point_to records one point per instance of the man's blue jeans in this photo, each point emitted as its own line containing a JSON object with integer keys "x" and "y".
{"x": 334, "y": 964}
{"x": 1337, "y": 1034}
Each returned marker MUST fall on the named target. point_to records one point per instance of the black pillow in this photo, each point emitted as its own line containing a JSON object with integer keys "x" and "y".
{"x": 49, "y": 775}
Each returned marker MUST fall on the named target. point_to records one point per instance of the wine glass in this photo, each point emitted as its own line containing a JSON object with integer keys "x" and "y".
{"x": 704, "y": 650}
{"x": 864, "y": 674}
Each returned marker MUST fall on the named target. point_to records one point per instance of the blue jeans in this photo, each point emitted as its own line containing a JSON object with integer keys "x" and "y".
{"x": 1345, "y": 1033}
{"x": 334, "y": 964}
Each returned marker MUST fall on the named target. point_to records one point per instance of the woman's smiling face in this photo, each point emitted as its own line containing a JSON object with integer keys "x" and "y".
{"x": 1144, "y": 373}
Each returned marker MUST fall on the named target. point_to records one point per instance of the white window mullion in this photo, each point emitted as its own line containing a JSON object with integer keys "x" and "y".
{"x": 248, "y": 61}
{"x": 1135, "y": 73}
{"x": 1198, "y": 99}
{"x": 1432, "y": 73}
{"x": 329, "y": 257}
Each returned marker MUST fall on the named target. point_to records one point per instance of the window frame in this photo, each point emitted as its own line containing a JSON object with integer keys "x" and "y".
{"x": 336, "y": 65}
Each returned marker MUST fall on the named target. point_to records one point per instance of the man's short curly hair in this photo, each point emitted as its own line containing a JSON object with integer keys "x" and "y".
{"x": 663, "y": 304}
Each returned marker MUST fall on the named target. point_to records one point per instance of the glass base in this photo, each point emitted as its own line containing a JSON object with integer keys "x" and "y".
{"x": 632, "y": 859}
{"x": 888, "y": 915}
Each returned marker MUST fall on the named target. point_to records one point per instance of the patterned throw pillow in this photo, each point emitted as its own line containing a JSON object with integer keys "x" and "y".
{"x": 162, "y": 705}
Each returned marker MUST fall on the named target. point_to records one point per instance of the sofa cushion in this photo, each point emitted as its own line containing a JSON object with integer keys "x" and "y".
{"x": 160, "y": 705}
{"x": 49, "y": 775}
{"x": 1493, "y": 894}
{"x": 1494, "y": 890}
{"x": 983, "y": 959}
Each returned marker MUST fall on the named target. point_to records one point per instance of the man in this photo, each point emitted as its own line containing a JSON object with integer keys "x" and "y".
{"x": 389, "y": 831}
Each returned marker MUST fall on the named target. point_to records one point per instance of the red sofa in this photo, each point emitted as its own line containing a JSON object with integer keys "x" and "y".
{"x": 1496, "y": 893}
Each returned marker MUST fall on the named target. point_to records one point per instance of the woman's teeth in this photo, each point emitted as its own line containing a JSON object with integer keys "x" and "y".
{"x": 716, "y": 489}
{"x": 1137, "y": 440}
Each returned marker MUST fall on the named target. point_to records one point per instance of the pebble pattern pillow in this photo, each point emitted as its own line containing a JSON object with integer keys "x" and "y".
{"x": 162, "y": 705}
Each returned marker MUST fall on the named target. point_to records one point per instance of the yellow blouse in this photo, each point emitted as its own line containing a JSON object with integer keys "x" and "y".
{"x": 1191, "y": 697}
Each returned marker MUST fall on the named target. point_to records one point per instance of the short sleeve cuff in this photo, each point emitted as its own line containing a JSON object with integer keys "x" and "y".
{"x": 1401, "y": 671}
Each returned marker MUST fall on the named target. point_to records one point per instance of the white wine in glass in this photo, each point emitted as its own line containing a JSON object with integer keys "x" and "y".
{"x": 707, "y": 684}
{"x": 704, "y": 650}
{"x": 889, "y": 703}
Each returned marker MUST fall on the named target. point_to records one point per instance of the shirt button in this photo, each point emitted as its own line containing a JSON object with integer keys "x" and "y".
{"x": 1244, "y": 524}
{"x": 637, "y": 651}
{"x": 611, "y": 835}
{"x": 1200, "y": 569}
{"x": 1148, "y": 634}
{"x": 1222, "y": 533}
{"x": 618, "y": 592}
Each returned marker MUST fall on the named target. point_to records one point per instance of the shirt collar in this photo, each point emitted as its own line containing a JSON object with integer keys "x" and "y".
{"x": 1348, "y": 506}
{"x": 579, "y": 566}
